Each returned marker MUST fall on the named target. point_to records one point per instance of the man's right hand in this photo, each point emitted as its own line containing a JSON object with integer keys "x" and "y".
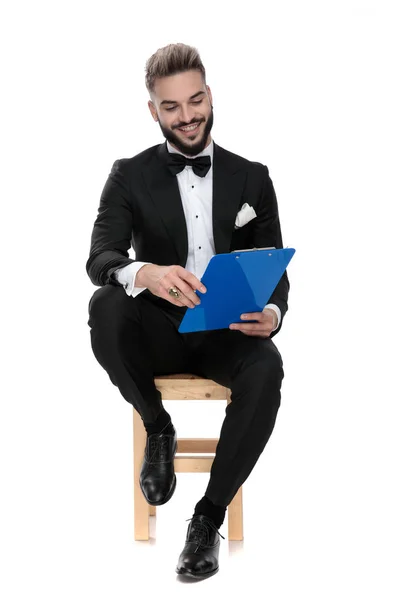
{"x": 159, "y": 279}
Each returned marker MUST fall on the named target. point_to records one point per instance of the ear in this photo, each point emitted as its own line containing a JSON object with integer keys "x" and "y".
{"x": 209, "y": 95}
{"x": 152, "y": 110}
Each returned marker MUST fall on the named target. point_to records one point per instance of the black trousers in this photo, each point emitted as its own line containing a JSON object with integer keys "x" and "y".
{"x": 134, "y": 339}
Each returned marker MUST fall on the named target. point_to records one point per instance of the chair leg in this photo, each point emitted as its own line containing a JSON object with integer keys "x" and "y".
{"x": 141, "y": 507}
{"x": 235, "y": 516}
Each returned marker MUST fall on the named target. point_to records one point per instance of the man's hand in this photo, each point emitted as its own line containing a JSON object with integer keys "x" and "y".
{"x": 267, "y": 321}
{"x": 158, "y": 279}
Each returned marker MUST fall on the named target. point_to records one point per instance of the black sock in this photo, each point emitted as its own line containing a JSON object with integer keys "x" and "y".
{"x": 161, "y": 424}
{"x": 213, "y": 511}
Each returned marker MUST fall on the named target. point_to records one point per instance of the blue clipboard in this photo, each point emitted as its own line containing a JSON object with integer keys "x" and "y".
{"x": 239, "y": 282}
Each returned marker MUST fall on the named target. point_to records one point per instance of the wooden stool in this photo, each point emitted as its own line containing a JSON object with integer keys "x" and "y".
{"x": 182, "y": 387}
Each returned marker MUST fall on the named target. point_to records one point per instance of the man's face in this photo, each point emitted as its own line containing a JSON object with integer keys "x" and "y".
{"x": 181, "y": 100}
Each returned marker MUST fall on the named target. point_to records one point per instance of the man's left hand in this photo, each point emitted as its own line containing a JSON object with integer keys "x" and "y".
{"x": 267, "y": 321}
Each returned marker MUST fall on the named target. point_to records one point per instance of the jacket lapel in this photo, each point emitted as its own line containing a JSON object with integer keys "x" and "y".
{"x": 228, "y": 183}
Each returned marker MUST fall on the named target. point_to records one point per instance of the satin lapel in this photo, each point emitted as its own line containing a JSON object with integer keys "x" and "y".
{"x": 228, "y": 183}
{"x": 229, "y": 179}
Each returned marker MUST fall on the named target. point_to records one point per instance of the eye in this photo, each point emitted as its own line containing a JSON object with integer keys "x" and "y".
{"x": 194, "y": 102}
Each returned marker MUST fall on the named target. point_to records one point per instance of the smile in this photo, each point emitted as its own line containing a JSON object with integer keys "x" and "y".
{"x": 190, "y": 128}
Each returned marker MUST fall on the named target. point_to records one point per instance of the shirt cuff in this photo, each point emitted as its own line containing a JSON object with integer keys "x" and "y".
{"x": 277, "y": 311}
{"x": 127, "y": 276}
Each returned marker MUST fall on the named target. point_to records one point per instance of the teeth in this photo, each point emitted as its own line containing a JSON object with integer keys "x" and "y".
{"x": 189, "y": 128}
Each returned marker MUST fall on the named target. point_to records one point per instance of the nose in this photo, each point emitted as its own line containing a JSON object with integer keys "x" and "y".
{"x": 187, "y": 115}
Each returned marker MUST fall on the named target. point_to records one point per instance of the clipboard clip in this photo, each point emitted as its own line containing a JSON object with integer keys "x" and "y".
{"x": 252, "y": 249}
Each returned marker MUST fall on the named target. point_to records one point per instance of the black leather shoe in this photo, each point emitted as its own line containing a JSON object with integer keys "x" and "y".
{"x": 199, "y": 558}
{"x": 157, "y": 477}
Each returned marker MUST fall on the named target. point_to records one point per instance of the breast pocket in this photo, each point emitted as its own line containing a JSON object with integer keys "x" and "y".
{"x": 242, "y": 237}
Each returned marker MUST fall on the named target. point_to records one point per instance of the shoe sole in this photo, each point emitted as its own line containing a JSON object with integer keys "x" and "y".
{"x": 196, "y": 575}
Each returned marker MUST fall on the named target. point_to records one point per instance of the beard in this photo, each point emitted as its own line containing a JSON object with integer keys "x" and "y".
{"x": 189, "y": 148}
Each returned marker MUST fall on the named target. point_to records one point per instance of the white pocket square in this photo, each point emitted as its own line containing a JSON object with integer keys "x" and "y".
{"x": 245, "y": 214}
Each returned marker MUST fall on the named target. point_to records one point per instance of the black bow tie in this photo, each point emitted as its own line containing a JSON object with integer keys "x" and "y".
{"x": 176, "y": 163}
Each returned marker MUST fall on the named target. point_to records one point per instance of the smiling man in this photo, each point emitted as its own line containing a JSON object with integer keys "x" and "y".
{"x": 177, "y": 204}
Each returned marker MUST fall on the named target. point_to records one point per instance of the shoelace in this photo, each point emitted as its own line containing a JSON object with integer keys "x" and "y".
{"x": 159, "y": 443}
{"x": 199, "y": 532}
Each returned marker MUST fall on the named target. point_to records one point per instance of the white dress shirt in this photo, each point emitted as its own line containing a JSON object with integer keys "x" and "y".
{"x": 196, "y": 195}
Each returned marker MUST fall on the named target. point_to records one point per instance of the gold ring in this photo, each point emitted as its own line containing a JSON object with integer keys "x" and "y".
{"x": 174, "y": 292}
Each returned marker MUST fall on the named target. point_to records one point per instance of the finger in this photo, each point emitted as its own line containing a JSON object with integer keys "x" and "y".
{"x": 166, "y": 283}
{"x": 255, "y": 316}
{"x": 257, "y": 330}
{"x": 188, "y": 291}
{"x": 171, "y": 299}
{"x": 195, "y": 283}
{"x": 191, "y": 279}
{"x": 182, "y": 287}
{"x": 248, "y": 326}
{"x": 251, "y": 316}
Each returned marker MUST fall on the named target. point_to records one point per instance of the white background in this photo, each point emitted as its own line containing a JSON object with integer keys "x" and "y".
{"x": 309, "y": 89}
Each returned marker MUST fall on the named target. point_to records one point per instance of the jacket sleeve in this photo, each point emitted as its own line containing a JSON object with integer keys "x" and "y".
{"x": 267, "y": 232}
{"x": 112, "y": 230}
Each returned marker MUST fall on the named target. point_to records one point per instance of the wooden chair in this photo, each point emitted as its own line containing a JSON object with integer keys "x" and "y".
{"x": 183, "y": 387}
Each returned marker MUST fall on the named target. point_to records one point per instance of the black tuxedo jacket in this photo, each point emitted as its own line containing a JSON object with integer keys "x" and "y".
{"x": 140, "y": 206}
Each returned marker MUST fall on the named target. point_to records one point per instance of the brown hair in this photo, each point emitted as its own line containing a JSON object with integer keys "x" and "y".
{"x": 170, "y": 60}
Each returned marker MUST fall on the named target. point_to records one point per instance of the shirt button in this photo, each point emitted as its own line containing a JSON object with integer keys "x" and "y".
{"x": 199, "y": 247}
{"x": 192, "y": 186}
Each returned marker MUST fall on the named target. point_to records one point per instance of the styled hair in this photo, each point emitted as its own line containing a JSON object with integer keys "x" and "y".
{"x": 170, "y": 60}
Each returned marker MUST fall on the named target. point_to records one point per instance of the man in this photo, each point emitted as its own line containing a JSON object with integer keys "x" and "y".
{"x": 178, "y": 204}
